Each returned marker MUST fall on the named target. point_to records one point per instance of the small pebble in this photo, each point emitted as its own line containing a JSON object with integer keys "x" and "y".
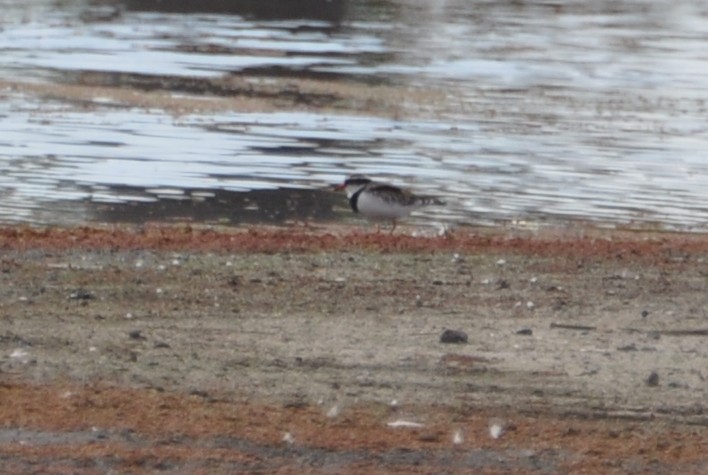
{"x": 405, "y": 424}
{"x": 81, "y": 294}
{"x": 645, "y": 313}
{"x": 496, "y": 430}
{"x": 524, "y": 331}
{"x": 333, "y": 412}
{"x": 630, "y": 347}
{"x": 653, "y": 379}
{"x": 136, "y": 335}
{"x": 453, "y": 336}
{"x": 19, "y": 353}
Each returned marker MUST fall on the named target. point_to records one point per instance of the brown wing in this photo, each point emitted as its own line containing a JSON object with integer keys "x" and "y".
{"x": 392, "y": 193}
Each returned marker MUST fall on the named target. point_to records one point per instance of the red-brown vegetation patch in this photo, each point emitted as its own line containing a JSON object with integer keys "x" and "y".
{"x": 616, "y": 245}
{"x": 149, "y": 429}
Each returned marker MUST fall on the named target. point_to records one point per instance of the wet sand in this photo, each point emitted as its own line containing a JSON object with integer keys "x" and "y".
{"x": 89, "y": 91}
{"x": 317, "y": 350}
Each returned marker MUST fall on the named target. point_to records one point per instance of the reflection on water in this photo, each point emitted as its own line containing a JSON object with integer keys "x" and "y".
{"x": 279, "y": 206}
{"x": 579, "y": 110}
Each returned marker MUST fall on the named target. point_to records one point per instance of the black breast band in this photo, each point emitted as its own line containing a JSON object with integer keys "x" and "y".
{"x": 354, "y": 198}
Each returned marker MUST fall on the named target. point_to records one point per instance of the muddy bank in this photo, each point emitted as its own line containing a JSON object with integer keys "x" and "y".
{"x": 178, "y": 96}
{"x": 335, "y": 334}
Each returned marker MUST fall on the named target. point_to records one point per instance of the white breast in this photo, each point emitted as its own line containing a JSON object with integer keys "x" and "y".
{"x": 373, "y": 207}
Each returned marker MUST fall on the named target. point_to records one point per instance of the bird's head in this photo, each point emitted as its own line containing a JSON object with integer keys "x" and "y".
{"x": 353, "y": 184}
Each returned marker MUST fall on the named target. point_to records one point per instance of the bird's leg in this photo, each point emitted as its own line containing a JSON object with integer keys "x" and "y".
{"x": 393, "y": 227}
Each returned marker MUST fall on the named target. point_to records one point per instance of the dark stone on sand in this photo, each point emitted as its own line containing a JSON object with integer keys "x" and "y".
{"x": 453, "y": 336}
{"x": 653, "y": 379}
{"x": 524, "y": 331}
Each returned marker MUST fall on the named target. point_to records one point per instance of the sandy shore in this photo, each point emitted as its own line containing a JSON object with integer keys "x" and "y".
{"x": 291, "y": 350}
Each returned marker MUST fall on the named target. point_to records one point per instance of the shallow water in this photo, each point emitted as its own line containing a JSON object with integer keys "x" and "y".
{"x": 586, "y": 111}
